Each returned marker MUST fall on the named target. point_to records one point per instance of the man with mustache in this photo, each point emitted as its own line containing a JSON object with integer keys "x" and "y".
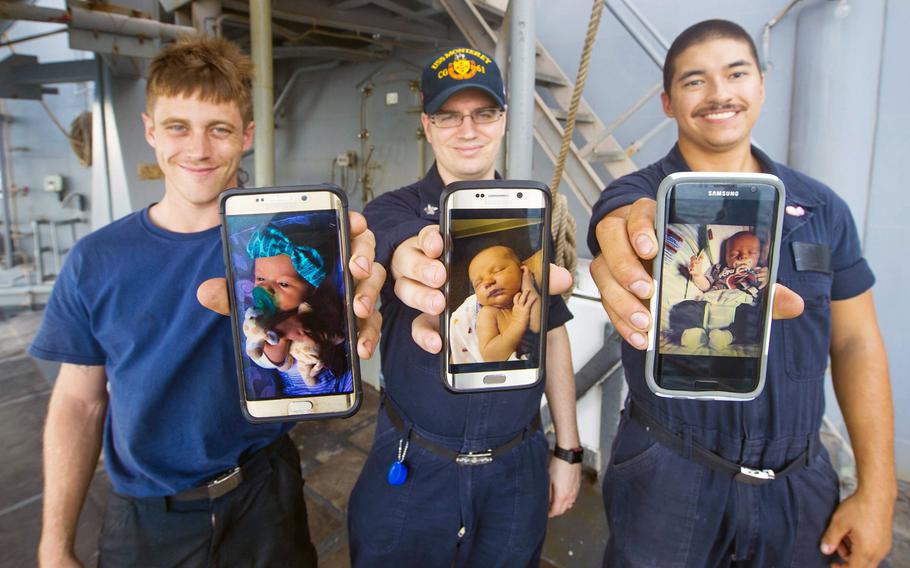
{"x": 668, "y": 501}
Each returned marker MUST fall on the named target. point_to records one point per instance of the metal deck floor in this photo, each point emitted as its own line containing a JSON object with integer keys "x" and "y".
{"x": 332, "y": 454}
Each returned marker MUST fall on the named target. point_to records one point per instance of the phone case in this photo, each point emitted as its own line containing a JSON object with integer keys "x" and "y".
{"x": 529, "y": 185}
{"x": 660, "y": 227}
{"x": 348, "y": 300}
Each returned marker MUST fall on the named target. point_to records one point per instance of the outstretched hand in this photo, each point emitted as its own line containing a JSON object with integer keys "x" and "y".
{"x": 368, "y": 276}
{"x": 628, "y": 242}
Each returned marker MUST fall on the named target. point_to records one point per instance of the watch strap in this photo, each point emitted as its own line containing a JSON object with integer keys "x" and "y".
{"x": 574, "y": 455}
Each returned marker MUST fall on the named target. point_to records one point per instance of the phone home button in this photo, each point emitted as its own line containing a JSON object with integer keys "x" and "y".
{"x": 494, "y": 379}
{"x": 300, "y": 407}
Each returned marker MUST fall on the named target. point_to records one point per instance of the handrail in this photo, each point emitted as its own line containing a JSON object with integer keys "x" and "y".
{"x": 655, "y": 57}
{"x": 591, "y": 147}
{"x": 648, "y": 26}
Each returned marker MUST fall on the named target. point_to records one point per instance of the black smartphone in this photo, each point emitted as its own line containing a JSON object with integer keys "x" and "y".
{"x": 718, "y": 236}
{"x": 497, "y": 255}
{"x": 286, "y": 250}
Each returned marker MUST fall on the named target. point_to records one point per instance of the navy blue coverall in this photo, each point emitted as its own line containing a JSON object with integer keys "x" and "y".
{"x": 473, "y": 515}
{"x": 666, "y": 509}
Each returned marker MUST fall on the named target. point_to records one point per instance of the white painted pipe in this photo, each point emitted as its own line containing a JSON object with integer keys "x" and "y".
{"x": 93, "y": 20}
{"x": 523, "y": 43}
{"x": 263, "y": 91}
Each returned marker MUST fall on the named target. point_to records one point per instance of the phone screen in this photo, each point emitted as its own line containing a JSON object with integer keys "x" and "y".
{"x": 714, "y": 286}
{"x": 289, "y": 290}
{"x": 494, "y": 291}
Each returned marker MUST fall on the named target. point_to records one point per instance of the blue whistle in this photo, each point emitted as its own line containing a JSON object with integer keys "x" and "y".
{"x": 398, "y": 473}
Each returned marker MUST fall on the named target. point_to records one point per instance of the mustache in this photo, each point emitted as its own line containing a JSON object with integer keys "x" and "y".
{"x": 711, "y": 109}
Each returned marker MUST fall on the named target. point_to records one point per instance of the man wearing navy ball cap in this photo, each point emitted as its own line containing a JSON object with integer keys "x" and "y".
{"x": 450, "y": 510}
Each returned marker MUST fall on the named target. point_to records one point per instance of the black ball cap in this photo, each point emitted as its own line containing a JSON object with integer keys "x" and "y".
{"x": 458, "y": 69}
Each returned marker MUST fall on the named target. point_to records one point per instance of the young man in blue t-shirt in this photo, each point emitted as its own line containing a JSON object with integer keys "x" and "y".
{"x": 149, "y": 374}
{"x": 669, "y": 501}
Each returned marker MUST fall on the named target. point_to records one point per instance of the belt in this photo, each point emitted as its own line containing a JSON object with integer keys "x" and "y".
{"x": 468, "y": 458}
{"x": 708, "y": 458}
{"x": 234, "y": 477}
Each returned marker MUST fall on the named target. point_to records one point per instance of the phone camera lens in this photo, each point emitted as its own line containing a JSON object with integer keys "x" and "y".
{"x": 303, "y": 198}
{"x": 476, "y": 195}
{"x": 520, "y": 195}
{"x": 481, "y": 195}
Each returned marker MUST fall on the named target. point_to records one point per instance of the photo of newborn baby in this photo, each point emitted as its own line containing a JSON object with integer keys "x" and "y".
{"x": 499, "y": 317}
{"x": 714, "y": 278}
{"x": 293, "y": 314}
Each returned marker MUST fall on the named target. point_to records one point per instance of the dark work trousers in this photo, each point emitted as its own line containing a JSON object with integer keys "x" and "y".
{"x": 665, "y": 510}
{"x": 263, "y": 522}
{"x": 502, "y": 506}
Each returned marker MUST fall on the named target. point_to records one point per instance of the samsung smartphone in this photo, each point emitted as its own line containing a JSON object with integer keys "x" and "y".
{"x": 286, "y": 250}
{"x": 497, "y": 255}
{"x": 718, "y": 238}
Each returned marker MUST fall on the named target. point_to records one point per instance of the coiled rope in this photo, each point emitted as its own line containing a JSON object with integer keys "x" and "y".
{"x": 563, "y": 224}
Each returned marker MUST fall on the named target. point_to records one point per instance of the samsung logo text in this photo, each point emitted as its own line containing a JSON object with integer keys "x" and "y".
{"x": 722, "y": 193}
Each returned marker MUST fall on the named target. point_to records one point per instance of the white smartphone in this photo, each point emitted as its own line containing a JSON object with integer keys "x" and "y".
{"x": 497, "y": 251}
{"x": 719, "y": 236}
{"x": 286, "y": 250}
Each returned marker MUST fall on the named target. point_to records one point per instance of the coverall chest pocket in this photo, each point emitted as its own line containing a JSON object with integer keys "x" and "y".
{"x": 807, "y": 338}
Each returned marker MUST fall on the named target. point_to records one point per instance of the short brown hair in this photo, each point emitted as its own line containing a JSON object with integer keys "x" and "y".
{"x": 700, "y": 33}
{"x": 211, "y": 68}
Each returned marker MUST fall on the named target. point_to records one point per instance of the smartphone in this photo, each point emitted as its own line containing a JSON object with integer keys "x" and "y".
{"x": 286, "y": 251}
{"x": 718, "y": 237}
{"x": 496, "y": 238}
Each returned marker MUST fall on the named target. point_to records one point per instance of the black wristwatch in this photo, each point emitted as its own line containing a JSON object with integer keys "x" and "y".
{"x": 575, "y": 455}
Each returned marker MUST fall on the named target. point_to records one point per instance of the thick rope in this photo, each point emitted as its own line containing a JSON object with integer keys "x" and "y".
{"x": 562, "y": 223}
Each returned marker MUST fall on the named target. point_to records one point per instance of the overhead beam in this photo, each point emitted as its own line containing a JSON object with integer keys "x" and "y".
{"x": 93, "y": 20}
{"x": 392, "y": 6}
{"x": 34, "y": 73}
{"x": 351, "y": 4}
{"x": 318, "y": 13}
{"x": 22, "y": 77}
{"x": 326, "y": 52}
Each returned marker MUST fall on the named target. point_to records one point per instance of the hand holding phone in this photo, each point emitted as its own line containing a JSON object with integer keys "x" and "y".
{"x": 626, "y": 285}
{"x": 718, "y": 238}
{"x": 495, "y": 233}
{"x": 286, "y": 252}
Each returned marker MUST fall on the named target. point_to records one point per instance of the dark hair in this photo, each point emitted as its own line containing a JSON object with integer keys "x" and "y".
{"x": 761, "y": 245}
{"x": 700, "y": 33}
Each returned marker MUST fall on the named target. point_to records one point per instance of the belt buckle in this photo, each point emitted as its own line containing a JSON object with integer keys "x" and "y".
{"x": 474, "y": 458}
{"x": 754, "y": 476}
{"x": 224, "y": 483}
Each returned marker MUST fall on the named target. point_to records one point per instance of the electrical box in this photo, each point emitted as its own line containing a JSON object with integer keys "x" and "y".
{"x": 346, "y": 159}
{"x": 53, "y": 183}
{"x": 391, "y": 98}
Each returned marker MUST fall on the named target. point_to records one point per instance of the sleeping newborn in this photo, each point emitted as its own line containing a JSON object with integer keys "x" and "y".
{"x": 508, "y": 299}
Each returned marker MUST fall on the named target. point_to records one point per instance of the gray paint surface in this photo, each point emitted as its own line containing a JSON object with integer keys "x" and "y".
{"x": 887, "y": 218}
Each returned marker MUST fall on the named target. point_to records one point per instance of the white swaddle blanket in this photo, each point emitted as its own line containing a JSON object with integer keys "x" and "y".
{"x": 463, "y": 333}
{"x": 720, "y": 310}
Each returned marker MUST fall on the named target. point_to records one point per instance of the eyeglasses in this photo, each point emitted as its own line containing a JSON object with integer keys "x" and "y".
{"x": 478, "y": 116}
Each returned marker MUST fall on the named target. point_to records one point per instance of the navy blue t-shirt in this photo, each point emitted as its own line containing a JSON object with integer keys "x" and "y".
{"x": 793, "y": 401}
{"x": 412, "y": 376}
{"x": 126, "y": 299}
